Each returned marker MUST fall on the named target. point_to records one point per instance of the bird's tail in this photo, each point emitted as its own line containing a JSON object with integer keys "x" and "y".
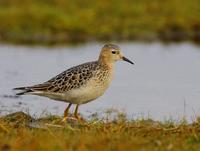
{"x": 23, "y": 90}
{"x": 38, "y": 87}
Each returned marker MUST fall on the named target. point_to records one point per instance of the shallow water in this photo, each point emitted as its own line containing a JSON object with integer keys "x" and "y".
{"x": 164, "y": 82}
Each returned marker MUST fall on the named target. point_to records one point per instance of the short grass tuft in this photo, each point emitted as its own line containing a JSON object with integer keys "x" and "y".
{"x": 17, "y": 133}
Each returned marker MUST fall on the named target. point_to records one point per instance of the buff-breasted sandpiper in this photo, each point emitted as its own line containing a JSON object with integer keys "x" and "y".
{"x": 80, "y": 84}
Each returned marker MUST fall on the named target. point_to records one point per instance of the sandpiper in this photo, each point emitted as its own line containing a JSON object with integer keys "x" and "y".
{"x": 80, "y": 84}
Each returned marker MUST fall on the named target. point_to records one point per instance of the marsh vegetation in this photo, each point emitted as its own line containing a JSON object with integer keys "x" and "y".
{"x": 57, "y": 21}
{"x": 118, "y": 134}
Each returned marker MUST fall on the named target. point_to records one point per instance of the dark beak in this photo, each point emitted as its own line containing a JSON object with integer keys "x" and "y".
{"x": 127, "y": 60}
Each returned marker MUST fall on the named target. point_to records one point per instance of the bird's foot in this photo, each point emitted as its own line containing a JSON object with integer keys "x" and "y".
{"x": 64, "y": 119}
{"x": 72, "y": 118}
{"x": 79, "y": 118}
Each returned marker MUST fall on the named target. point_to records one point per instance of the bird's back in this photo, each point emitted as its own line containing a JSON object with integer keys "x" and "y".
{"x": 67, "y": 80}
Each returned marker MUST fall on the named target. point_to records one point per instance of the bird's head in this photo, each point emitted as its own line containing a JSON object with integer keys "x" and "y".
{"x": 111, "y": 53}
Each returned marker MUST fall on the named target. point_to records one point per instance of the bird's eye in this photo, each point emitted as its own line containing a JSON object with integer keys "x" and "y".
{"x": 113, "y": 52}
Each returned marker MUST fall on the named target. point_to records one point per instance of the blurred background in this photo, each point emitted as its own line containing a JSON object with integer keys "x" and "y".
{"x": 62, "y": 21}
{"x": 160, "y": 36}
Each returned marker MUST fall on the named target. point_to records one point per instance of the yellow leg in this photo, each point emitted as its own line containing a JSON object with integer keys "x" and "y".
{"x": 66, "y": 112}
{"x": 76, "y": 112}
{"x": 78, "y": 117}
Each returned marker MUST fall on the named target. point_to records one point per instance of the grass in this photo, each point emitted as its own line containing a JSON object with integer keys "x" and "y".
{"x": 96, "y": 134}
{"x": 57, "y": 21}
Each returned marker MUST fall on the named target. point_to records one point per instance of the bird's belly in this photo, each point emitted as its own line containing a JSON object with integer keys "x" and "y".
{"x": 87, "y": 93}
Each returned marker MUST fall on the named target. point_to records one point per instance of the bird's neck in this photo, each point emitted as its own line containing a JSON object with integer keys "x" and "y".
{"x": 106, "y": 62}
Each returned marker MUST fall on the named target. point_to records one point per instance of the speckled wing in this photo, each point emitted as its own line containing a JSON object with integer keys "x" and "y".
{"x": 72, "y": 78}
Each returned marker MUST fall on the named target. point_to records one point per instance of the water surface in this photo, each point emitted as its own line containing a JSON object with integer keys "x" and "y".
{"x": 163, "y": 83}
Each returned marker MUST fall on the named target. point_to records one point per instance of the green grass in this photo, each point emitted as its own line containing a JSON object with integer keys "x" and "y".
{"x": 41, "y": 21}
{"x": 113, "y": 135}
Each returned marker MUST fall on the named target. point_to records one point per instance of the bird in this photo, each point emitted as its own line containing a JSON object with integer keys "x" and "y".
{"x": 82, "y": 83}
